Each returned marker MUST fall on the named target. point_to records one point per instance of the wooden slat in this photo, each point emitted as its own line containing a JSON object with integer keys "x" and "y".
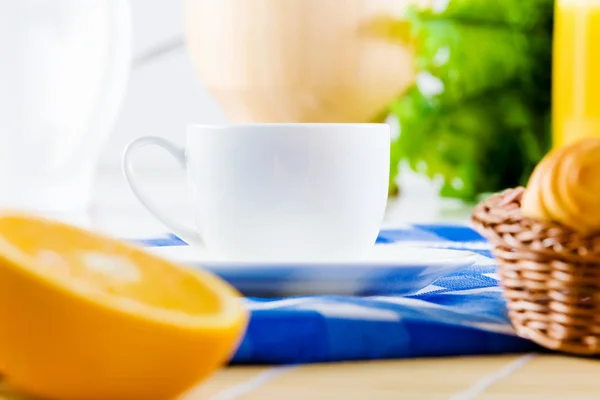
{"x": 551, "y": 378}
{"x": 223, "y": 380}
{"x": 410, "y": 379}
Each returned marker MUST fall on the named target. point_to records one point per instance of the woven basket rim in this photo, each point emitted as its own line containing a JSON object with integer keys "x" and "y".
{"x": 500, "y": 220}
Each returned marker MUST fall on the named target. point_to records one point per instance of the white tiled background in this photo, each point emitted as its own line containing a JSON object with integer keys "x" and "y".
{"x": 163, "y": 93}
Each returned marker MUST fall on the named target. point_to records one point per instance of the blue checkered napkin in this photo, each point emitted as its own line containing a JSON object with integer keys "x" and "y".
{"x": 459, "y": 314}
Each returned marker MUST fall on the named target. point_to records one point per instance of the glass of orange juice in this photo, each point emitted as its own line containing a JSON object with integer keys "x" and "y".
{"x": 576, "y": 71}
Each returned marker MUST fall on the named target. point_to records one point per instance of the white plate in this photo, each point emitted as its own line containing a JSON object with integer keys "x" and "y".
{"x": 390, "y": 269}
{"x": 382, "y": 255}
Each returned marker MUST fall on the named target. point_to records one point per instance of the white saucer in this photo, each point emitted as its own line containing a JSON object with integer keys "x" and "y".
{"x": 382, "y": 255}
{"x": 390, "y": 268}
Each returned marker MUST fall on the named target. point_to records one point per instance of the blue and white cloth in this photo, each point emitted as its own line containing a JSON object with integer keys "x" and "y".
{"x": 459, "y": 314}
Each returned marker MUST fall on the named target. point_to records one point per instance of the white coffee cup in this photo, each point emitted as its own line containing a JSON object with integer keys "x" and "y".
{"x": 280, "y": 192}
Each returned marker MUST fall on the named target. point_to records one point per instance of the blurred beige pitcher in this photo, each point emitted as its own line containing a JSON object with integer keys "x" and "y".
{"x": 299, "y": 60}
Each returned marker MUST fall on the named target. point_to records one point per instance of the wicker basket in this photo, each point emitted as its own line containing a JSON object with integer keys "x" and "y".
{"x": 550, "y": 275}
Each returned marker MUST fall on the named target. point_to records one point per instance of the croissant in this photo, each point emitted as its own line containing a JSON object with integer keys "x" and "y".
{"x": 565, "y": 187}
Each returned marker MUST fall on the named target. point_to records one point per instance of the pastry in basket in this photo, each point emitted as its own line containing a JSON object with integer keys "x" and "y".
{"x": 546, "y": 239}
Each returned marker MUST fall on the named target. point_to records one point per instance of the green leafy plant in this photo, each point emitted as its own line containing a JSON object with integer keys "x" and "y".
{"x": 477, "y": 118}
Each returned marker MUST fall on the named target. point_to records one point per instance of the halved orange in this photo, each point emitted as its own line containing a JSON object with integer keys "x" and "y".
{"x": 84, "y": 316}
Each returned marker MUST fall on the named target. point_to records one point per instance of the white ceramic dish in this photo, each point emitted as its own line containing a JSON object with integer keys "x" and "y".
{"x": 389, "y": 269}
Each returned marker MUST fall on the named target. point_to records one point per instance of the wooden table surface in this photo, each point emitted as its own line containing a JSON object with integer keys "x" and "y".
{"x": 514, "y": 377}
{"x": 530, "y": 376}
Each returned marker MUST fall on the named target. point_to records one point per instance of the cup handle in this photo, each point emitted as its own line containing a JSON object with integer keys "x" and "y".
{"x": 186, "y": 233}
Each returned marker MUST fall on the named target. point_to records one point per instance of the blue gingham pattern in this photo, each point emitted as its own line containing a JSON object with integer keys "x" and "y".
{"x": 459, "y": 314}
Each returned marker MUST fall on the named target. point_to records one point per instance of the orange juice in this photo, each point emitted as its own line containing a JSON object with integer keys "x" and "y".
{"x": 576, "y": 71}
